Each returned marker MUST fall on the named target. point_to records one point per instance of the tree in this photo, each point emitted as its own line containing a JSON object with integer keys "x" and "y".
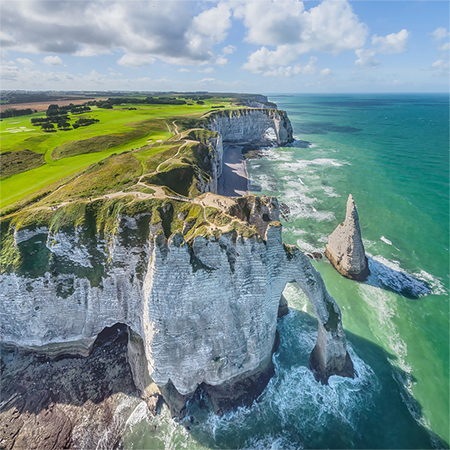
{"x": 47, "y": 126}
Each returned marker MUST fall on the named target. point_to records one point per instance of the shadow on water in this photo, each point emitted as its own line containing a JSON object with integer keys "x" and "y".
{"x": 401, "y": 283}
{"x": 374, "y": 410}
{"x": 300, "y": 144}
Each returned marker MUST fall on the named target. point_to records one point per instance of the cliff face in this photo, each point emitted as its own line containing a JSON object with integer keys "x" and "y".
{"x": 167, "y": 291}
{"x": 345, "y": 248}
{"x": 250, "y": 125}
{"x": 201, "y": 305}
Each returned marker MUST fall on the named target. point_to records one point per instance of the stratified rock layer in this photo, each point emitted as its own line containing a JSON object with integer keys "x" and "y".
{"x": 345, "y": 248}
{"x": 206, "y": 310}
{"x": 250, "y": 125}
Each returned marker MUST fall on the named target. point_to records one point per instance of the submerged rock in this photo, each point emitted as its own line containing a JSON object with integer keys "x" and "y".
{"x": 345, "y": 248}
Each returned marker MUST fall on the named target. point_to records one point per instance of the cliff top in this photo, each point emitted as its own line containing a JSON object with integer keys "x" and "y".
{"x": 104, "y": 147}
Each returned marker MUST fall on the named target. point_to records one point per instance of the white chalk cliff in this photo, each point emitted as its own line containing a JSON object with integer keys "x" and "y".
{"x": 202, "y": 313}
{"x": 345, "y": 248}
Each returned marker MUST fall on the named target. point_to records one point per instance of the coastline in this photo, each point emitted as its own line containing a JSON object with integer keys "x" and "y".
{"x": 234, "y": 180}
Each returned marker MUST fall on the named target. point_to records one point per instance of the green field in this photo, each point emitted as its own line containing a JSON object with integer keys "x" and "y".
{"x": 144, "y": 131}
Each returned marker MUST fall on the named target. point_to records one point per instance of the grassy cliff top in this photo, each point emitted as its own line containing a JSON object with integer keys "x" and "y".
{"x": 113, "y": 149}
{"x": 96, "y": 221}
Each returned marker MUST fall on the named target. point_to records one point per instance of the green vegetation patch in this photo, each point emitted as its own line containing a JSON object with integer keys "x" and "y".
{"x": 140, "y": 188}
{"x": 21, "y": 161}
{"x": 201, "y": 135}
{"x": 217, "y": 217}
{"x": 157, "y": 158}
{"x": 112, "y": 174}
{"x": 179, "y": 178}
{"x": 93, "y": 145}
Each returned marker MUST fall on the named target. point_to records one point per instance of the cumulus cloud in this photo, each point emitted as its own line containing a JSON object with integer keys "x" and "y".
{"x": 52, "y": 61}
{"x": 392, "y": 43}
{"x": 25, "y": 62}
{"x": 221, "y": 61}
{"x": 168, "y": 30}
{"x": 207, "y": 70}
{"x": 330, "y": 27}
{"x": 445, "y": 47}
{"x": 289, "y": 71}
{"x": 441, "y": 65}
{"x": 183, "y": 70}
{"x": 208, "y": 80}
{"x": 9, "y": 73}
{"x": 440, "y": 33}
{"x": 264, "y": 59}
{"x": 229, "y": 49}
{"x": 133, "y": 60}
{"x": 325, "y": 72}
{"x": 366, "y": 58}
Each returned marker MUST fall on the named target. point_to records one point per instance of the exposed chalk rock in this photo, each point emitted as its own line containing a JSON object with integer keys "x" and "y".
{"x": 258, "y": 211}
{"x": 345, "y": 248}
{"x": 250, "y": 125}
{"x": 205, "y": 310}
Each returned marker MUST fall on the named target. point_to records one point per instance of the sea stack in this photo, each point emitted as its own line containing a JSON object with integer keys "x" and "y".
{"x": 345, "y": 248}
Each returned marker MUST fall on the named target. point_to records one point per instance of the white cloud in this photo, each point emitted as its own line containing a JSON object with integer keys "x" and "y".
{"x": 9, "y": 73}
{"x": 441, "y": 67}
{"x": 330, "y": 27}
{"x": 207, "y": 70}
{"x": 25, "y": 62}
{"x": 167, "y": 30}
{"x": 221, "y": 61}
{"x": 208, "y": 80}
{"x": 229, "y": 49}
{"x": 209, "y": 28}
{"x": 325, "y": 72}
{"x": 366, "y": 58}
{"x": 445, "y": 47}
{"x": 134, "y": 60}
{"x": 183, "y": 70}
{"x": 392, "y": 43}
{"x": 440, "y": 33}
{"x": 264, "y": 59}
{"x": 52, "y": 61}
{"x": 289, "y": 71}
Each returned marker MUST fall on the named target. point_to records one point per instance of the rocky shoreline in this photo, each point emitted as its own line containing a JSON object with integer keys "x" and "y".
{"x": 68, "y": 402}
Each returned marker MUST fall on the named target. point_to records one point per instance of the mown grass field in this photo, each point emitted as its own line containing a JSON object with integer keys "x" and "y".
{"x": 70, "y": 152}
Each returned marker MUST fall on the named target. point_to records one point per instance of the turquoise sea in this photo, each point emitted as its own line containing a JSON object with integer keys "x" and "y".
{"x": 392, "y": 153}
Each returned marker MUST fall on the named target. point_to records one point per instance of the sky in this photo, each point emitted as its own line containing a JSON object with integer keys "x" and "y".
{"x": 263, "y": 46}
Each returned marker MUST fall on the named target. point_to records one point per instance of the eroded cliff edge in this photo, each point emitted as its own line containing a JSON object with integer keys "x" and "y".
{"x": 204, "y": 302}
{"x": 199, "y": 288}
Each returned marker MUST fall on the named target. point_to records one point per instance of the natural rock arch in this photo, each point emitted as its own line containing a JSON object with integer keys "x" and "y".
{"x": 329, "y": 356}
{"x": 250, "y": 125}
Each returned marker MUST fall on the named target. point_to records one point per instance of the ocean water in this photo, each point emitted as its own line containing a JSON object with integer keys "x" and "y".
{"x": 392, "y": 153}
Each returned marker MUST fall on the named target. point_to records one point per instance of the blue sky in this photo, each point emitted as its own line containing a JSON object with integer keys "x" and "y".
{"x": 273, "y": 46}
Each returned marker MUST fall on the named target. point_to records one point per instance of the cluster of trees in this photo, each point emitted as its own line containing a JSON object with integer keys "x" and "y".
{"x": 12, "y": 112}
{"x": 73, "y": 109}
{"x": 197, "y": 97}
{"x": 84, "y": 122}
{"x": 148, "y": 100}
{"x": 58, "y": 115}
